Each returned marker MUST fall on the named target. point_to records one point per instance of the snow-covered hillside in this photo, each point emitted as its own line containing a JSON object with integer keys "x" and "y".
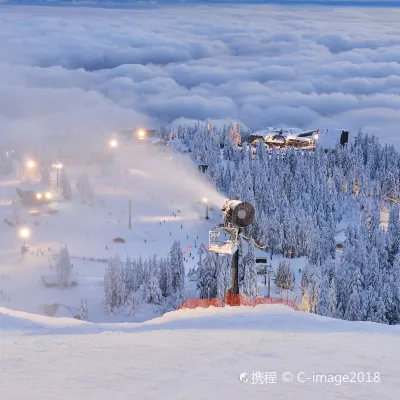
{"x": 197, "y": 354}
{"x": 166, "y": 192}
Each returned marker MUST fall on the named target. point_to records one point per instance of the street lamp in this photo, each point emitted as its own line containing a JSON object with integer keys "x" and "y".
{"x": 113, "y": 143}
{"x": 316, "y": 136}
{"x": 58, "y": 167}
{"x": 24, "y": 233}
{"x": 31, "y": 164}
{"x": 205, "y": 201}
{"x": 141, "y": 134}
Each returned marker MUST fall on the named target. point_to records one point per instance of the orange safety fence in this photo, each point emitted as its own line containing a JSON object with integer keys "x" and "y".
{"x": 236, "y": 300}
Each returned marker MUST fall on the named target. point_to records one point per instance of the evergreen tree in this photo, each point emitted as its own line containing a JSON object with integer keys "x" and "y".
{"x": 63, "y": 267}
{"x": 65, "y": 185}
{"x": 114, "y": 286}
{"x": 313, "y": 289}
{"x": 82, "y": 311}
{"x": 207, "y": 277}
{"x": 250, "y": 271}
{"x": 324, "y": 297}
{"x": 304, "y": 280}
{"x": 353, "y": 310}
{"x": 234, "y": 134}
{"x": 393, "y": 234}
{"x": 132, "y": 304}
{"x": 178, "y": 270}
{"x": 223, "y": 275}
{"x": 153, "y": 290}
{"x": 165, "y": 278}
{"x": 332, "y": 299}
{"x": 130, "y": 276}
{"x": 285, "y": 278}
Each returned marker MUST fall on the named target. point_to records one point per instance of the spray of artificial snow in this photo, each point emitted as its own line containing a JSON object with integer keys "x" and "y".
{"x": 167, "y": 175}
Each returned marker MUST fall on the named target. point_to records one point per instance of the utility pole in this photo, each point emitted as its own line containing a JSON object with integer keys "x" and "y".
{"x": 130, "y": 214}
{"x": 207, "y": 217}
{"x": 235, "y": 268}
{"x": 235, "y": 272}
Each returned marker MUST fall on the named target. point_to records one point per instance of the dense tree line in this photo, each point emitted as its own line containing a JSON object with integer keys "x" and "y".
{"x": 300, "y": 199}
{"x": 214, "y": 273}
{"x": 160, "y": 282}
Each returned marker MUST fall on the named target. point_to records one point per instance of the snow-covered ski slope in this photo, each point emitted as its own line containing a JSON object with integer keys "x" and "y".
{"x": 196, "y": 354}
{"x": 165, "y": 190}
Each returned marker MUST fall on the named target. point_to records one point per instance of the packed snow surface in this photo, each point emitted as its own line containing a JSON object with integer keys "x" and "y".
{"x": 195, "y": 354}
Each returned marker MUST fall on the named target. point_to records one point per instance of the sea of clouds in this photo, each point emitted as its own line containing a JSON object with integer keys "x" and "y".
{"x": 93, "y": 69}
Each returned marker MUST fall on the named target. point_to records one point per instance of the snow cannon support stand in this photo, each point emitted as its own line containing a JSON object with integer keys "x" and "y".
{"x": 225, "y": 239}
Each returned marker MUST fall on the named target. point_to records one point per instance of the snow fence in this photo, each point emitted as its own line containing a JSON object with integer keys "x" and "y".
{"x": 236, "y": 300}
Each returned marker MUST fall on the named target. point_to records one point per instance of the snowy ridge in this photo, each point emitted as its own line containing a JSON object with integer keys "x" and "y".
{"x": 279, "y": 318}
{"x": 197, "y": 354}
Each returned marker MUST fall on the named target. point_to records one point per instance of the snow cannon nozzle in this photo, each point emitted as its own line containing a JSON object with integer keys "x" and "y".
{"x": 239, "y": 213}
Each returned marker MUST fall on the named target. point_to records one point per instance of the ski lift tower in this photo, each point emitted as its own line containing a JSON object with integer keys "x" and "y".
{"x": 225, "y": 239}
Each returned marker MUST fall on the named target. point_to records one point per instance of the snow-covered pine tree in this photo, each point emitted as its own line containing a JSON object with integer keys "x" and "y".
{"x": 82, "y": 311}
{"x": 324, "y": 297}
{"x": 130, "y": 276}
{"x": 63, "y": 267}
{"x": 178, "y": 271}
{"x": 285, "y": 278}
{"x": 306, "y": 301}
{"x": 114, "y": 287}
{"x": 274, "y": 235}
{"x": 207, "y": 276}
{"x": 392, "y": 292}
{"x": 250, "y": 271}
{"x": 132, "y": 304}
{"x": 304, "y": 279}
{"x": 353, "y": 311}
{"x": 332, "y": 299}
{"x": 313, "y": 288}
{"x": 224, "y": 275}
{"x": 393, "y": 234}
{"x": 65, "y": 185}
{"x": 153, "y": 290}
{"x": 234, "y": 134}
{"x": 165, "y": 278}
{"x": 139, "y": 268}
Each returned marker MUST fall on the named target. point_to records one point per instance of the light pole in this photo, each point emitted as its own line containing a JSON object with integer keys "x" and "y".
{"x": 24, "y": 233}
{"x": 205, "y": 201}
{"x": 113, "y": 143}
{"x": 30, "y": 164}
{"x": 58, "y": 167}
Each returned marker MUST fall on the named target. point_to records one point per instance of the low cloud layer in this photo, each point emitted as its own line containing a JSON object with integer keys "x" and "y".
{"x": 88, "y": 70}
